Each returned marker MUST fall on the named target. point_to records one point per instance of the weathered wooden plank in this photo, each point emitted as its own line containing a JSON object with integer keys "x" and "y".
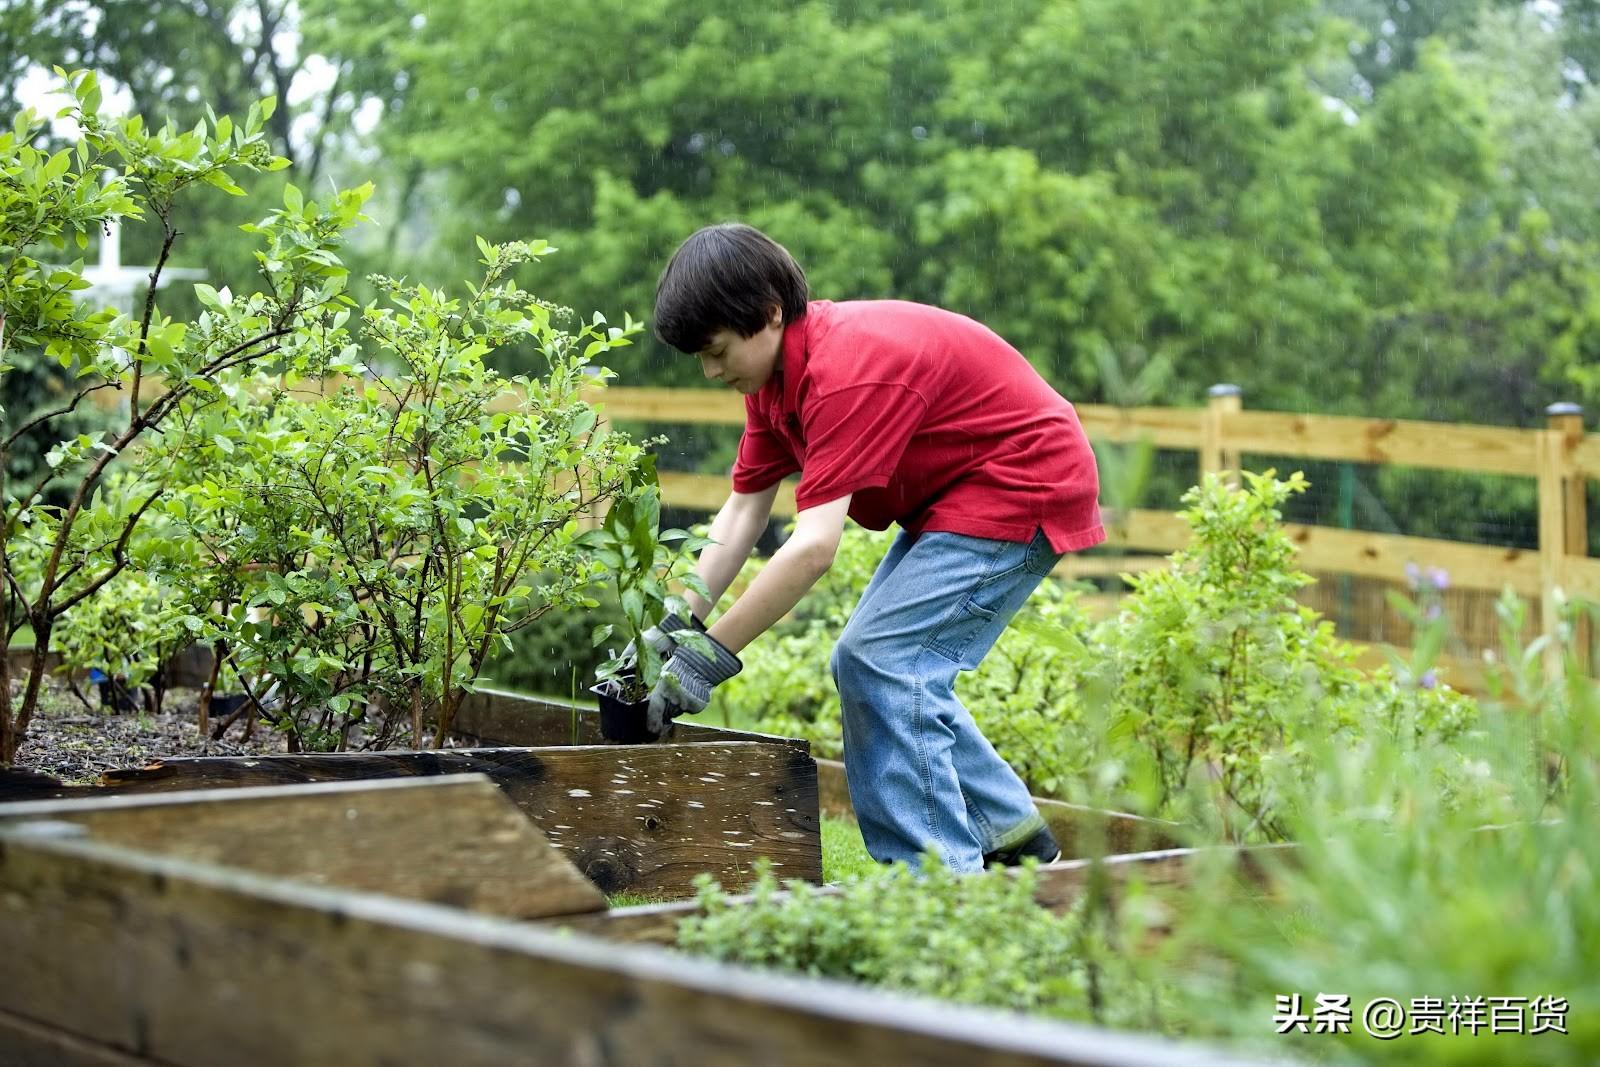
{"x": 1174, "y": 428}
{"x": 25, "y": 1043}
{"x": 1078, "y": 829}
{"x": 455, "y": 840}
{"x": 22, "y": 783}
{"x": 1058, "y": 889}
{"x": 1585, "y": 456}
{"x": 1433, "y": 445}
{"x": 708, "y": 492}
{"x": 494, "y": 717}
{"x": 641, "y": 819}
{"x": 1073, "y": 566}
{"x": 698, "y": 406}
{"x": 175, "y": 961}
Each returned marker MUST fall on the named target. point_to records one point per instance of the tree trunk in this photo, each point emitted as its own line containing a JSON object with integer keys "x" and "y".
{"x": 447, "y": 715}
{"x": 17, "y": 730}
{"x": 210, "y": 688}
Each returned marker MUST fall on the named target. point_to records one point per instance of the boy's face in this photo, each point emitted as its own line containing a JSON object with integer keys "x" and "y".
{"x": 744, "y": 363}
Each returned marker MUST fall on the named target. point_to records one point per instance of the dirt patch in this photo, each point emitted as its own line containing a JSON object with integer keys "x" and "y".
{"x": 75, "y": 743}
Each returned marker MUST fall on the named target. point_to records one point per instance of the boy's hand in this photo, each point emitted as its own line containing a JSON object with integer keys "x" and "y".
{"x": 687, "y": 679}
{"x": 659, "y": 637}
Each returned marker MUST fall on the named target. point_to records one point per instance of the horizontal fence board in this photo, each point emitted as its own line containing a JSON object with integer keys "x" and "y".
{"x": 1174, "y": 428}
{"x": 1466, "y": 675}
{"x": 453, "y": 840}
{"x": 708, "y": 492}
{"x": 1585, "y": 456}
{"x": 1431, "y": 445}
{"x": 704, "y": 406}
{"x": 175, "y": 961}
{"x": 1074, "y": 566}
{"x": 1325, "y": 548}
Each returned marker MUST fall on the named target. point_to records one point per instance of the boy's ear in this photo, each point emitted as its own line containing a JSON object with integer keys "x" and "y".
{"x": 775, "y": 315}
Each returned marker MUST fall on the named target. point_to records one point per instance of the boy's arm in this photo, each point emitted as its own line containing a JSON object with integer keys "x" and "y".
{"x": 735, "y": 530}
{"x": 791, "y": 571}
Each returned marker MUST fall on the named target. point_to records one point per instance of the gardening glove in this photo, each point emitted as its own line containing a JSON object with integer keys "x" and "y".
{"x": 687, "y": 679}
{"x": 659, "y": 637}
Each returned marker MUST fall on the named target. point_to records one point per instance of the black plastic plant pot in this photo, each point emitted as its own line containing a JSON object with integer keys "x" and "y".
{"x": 622, "y": 722}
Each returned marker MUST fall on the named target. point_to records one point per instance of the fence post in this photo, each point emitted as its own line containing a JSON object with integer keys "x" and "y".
{"x": 1221, "y": 400}
{"x": 1566, "y": 516}
{"x": 1552, "y": 531}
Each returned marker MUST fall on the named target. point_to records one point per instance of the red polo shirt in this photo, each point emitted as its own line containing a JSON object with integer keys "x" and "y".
{"x": 929, "y": 419}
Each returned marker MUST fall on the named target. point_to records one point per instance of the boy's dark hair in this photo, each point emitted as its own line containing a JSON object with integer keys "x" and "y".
{"x": 726, "y": 276}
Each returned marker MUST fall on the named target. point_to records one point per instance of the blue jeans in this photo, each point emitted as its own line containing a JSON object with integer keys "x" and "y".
{"x": 921, "y": 774}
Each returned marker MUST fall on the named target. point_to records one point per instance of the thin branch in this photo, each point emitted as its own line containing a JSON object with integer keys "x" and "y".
{"x": 221, "y": 362}
{"x": 47, "y": 416}
{"x": 169, "y": 235}
{"x": 119, "y": 556}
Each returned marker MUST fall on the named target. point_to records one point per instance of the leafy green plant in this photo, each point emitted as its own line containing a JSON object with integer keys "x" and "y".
{"x": 400, "y": 529}
{"x": 47, "y": 200}
{"x": 128, "y": 630}
{"x": 975, "y": 940}
{"x": 639, "y": 561}
{"x": 1396, "y": 890}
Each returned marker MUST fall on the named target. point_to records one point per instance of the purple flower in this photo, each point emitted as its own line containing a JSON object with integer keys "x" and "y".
{"x": 1439, "y": 578}
{"x": 1429, "y": 679}
{"x": 1413, "y": 575}
{"x": 1433, "y": 611}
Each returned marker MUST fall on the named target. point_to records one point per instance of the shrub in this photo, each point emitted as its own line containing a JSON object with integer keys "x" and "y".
{"x": 61, "y": 547}
{"x": 381, "y": 541}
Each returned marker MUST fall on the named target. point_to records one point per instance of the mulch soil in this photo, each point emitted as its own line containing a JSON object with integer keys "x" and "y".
{"x": 76, "y": 743}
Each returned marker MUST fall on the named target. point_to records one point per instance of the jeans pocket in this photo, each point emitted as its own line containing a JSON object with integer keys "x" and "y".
{"x": 955, "y": 635}
{"x": 952, "y": 637}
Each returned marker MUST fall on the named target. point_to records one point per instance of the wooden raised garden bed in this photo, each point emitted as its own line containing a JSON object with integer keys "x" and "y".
{"x": 147, "y": 929}
{"x": 639, "y": 819}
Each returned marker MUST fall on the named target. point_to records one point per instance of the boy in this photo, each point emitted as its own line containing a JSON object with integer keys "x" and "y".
{"x": 891, "y": 412}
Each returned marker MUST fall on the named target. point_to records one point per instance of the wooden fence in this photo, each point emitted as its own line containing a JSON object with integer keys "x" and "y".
{"x": 1559, "y": 456}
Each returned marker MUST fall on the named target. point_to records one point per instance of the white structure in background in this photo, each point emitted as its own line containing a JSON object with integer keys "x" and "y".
{"x": 112, "y": 283}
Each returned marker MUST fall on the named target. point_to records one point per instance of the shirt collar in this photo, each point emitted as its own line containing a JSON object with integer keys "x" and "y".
{"x": 796, "y": 341}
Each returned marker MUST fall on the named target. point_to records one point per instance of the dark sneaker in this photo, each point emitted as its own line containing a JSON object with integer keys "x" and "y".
{"x": 1041, "y": 846}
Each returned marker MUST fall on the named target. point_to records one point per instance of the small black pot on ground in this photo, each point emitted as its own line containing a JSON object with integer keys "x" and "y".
{"x": 622, "y": 722}
{"x": 227, "y": 705}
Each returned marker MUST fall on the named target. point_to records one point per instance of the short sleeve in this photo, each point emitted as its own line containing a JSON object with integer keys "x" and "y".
{"x": 855, "y": 438}
{"x": 763, "y": 459}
